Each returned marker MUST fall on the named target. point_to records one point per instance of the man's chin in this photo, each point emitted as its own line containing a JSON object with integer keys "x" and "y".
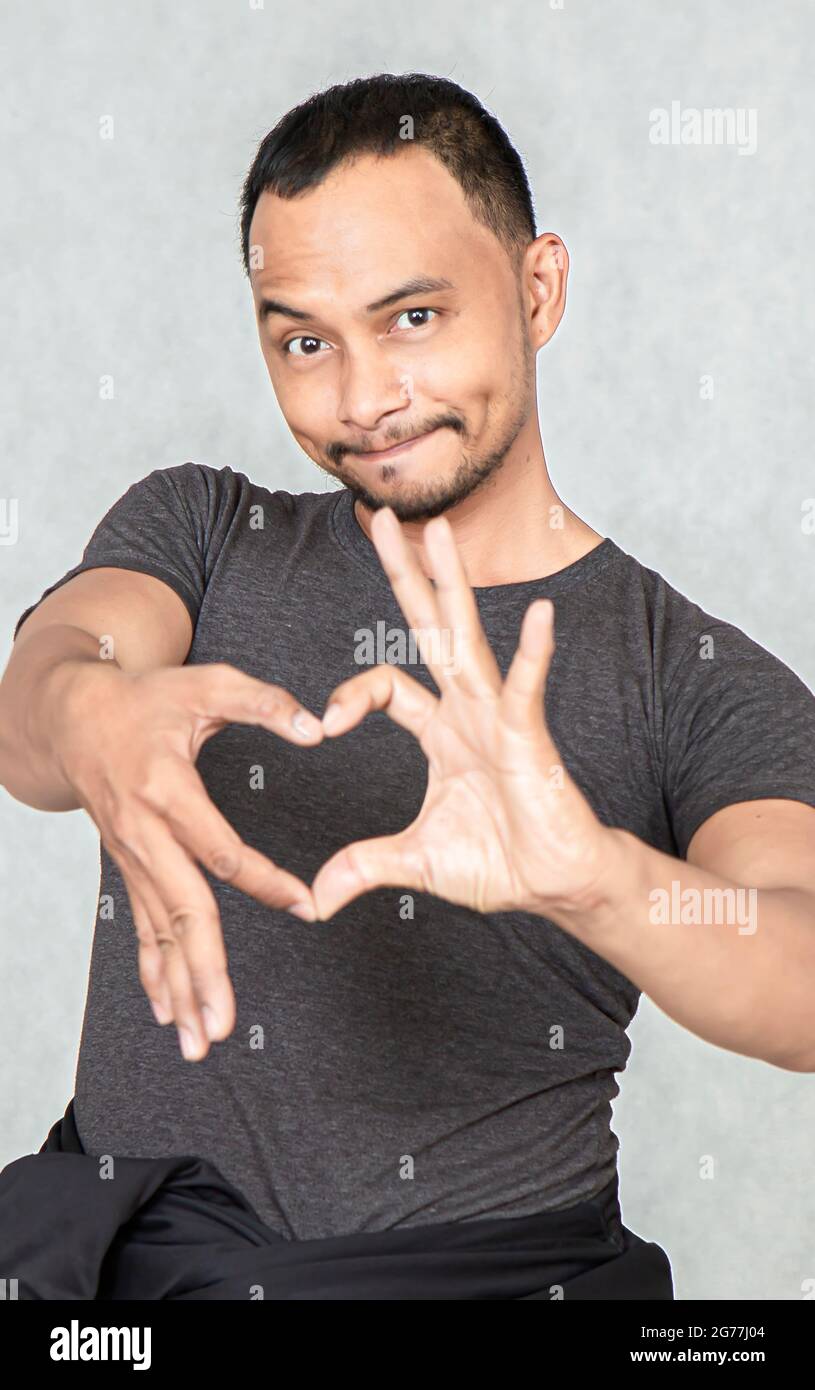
{"x": 408, "y": 504}
{"x": 422, "y": 499}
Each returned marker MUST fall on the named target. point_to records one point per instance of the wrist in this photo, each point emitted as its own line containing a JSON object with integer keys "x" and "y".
{"x": 68, "y": 698}
{"x": 596, "y": 902}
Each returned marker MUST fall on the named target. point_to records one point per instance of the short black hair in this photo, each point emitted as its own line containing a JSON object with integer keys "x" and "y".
{"x": 367, "y": 115}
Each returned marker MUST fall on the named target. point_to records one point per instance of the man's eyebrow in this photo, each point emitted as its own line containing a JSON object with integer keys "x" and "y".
{"x": 420, "y": 284}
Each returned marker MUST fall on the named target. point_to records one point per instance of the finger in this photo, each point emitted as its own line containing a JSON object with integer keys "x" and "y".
{"x": 188, "y": 929}
{"x": 151, "y": 965}
{"x": 174, "y": 973}
{"x": 522, "y": 697}
{"x": 474, "y": 666}
{"x": 175, "y": 790}
{"x": 389, "y": 861}
{"x": 182, "y": 1005}
{"x": 225, "y": 694}
{"x": 412, "y": 590}
{"x": 385, "y": 688}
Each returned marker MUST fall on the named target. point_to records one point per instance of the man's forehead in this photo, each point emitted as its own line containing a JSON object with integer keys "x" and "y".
{"x": 306, "y": 271}
{"x": 402, "y": 208}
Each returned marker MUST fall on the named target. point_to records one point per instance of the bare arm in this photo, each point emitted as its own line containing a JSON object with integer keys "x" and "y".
{"x": 139, "y": 623}
{"x": 736, "y": 967}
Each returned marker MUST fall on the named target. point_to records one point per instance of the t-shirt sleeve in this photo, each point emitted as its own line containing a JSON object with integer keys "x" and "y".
{"x": 738, "y": 725}
{"x": 160, "y": 526}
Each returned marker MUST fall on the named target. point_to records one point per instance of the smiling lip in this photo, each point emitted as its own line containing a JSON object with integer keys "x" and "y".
{"x": 377, "y": 454}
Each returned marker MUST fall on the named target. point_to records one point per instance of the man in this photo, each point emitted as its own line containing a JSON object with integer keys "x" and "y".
{"x": 565, "y": 801}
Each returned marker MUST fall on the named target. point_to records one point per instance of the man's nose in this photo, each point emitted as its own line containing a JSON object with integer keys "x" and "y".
{"x": 373, "y": 387}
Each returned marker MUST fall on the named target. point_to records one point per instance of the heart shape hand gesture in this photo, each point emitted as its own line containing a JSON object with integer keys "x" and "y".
{"x": 503, "y": 826}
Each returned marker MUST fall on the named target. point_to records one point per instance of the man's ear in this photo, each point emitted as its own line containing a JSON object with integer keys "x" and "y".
{"x": 544, "y": 273}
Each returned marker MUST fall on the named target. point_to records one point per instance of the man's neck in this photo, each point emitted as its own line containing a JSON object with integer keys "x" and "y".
{"x": 513, "y": 528}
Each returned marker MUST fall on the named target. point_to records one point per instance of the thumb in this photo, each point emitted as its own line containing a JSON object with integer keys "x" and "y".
{"x": 387, "y": 862}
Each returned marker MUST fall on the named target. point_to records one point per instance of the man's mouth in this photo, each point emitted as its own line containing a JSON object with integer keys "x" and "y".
{"x": 383, "y": 455}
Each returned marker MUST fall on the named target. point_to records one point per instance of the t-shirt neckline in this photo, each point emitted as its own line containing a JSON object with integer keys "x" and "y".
{"x": 350, "y": 535}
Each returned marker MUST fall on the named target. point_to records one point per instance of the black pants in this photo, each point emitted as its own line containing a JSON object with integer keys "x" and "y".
{"x": 175, "y": 1228}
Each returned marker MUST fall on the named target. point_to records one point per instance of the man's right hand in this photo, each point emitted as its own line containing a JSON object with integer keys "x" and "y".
{"x": 127, "y": 743}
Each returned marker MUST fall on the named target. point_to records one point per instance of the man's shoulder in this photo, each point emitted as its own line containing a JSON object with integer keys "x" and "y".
{"x": 192, "y": 475}
{"x": 680, "y": 628}
{"x": 219, "y": 496}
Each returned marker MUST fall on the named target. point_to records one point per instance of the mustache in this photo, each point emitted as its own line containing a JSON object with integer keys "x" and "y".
{"x": 335, "y": 452}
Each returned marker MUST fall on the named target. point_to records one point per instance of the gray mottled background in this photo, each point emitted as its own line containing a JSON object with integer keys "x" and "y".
{"x": 121, "y": 257}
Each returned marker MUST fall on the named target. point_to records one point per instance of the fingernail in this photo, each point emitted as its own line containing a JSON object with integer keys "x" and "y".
{"x": 331, "y": 716}
{"x": 304, "y": 910}
{"x": 210, "y": 1022}
{"x": 160, "y": 1014}
{"x": 188, "y": 1046}
{"x": 305, "y": 723}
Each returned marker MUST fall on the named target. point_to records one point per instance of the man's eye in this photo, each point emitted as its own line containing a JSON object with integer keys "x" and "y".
{"x": 305, "y": 353}
{"x": 408, "y": 312}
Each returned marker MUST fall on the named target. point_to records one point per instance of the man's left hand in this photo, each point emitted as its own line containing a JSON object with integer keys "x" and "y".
{"x": 503, "y": 827}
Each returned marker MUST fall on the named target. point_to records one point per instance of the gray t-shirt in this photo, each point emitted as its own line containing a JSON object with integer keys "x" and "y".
{"x": 388, "y": 1069}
